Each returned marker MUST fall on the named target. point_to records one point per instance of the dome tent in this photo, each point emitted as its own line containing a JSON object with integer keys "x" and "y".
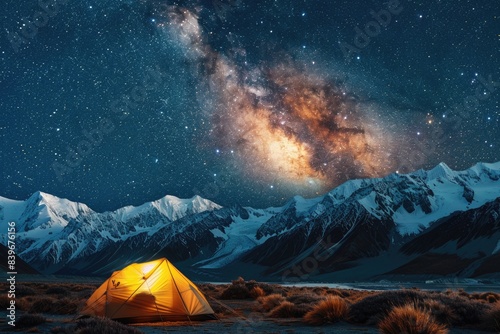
{"x": 150, "y": 291}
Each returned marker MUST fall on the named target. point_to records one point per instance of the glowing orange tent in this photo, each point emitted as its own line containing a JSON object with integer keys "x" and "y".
{"x": 150, "y": 291}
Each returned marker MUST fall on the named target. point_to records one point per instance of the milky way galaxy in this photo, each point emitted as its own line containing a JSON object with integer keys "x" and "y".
{"x": 284, "y": 123}
{"x": 121, "y": 102}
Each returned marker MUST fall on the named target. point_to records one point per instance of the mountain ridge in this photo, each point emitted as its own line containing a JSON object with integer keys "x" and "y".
{"x": 361, "y": 219}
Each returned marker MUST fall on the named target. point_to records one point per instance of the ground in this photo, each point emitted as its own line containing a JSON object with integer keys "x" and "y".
{"x": 253, "y": 307}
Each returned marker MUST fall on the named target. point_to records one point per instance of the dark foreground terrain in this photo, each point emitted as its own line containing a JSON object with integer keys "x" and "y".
{"x": 252, "y": 307}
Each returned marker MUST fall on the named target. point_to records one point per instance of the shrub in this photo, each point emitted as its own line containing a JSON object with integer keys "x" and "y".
{"x": 330, "y": 310}
{"x": 372, "y": 309}
{"x": 319, "y": 291}
{"x": 462, "y": 310}
{"x": 235, "y": 291}
{"x": 256, "y": 292}
{"x": 271, "y": 288}
{"x": 439, "y": 311}
{"x": 24, "y": 290}
{"x": 81, "y": 287}
{"x": 491, "y": 298}
{"x": 65, "y": 306}
{"x": 338, "y": 292}
{"x": 407, "y": 319}
{"x": 306, "y": 298}
{"x": 467, "y": 311}
{"x": 57, "y": 290}
{"x": 289, "y": 310}
{"x": 22, "y": 304}
{"x": 271, "y": 301}
{"x": 103, "y": 326}
{"x": 42, "y": 305}
{"x": 491, "y": 320}
{"x": 239, "y": 281}
{"x": 463, "y": 293}
{"x": 30, "y": 320}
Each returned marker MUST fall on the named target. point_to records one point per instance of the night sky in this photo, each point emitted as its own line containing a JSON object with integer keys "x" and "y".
{"x": 114, "y": 102}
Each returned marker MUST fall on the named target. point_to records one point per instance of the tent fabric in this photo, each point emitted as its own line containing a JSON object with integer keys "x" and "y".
{"x": 150, "y": 291}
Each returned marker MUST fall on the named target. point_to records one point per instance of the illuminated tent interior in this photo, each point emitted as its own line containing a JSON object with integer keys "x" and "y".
{"x": 146, "y": 292}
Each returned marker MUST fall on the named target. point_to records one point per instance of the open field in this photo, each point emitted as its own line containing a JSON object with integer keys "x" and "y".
{"x": 253, "y": 307}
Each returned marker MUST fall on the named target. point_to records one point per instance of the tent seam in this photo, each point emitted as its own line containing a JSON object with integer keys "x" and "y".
{"x": 180, "y": 295}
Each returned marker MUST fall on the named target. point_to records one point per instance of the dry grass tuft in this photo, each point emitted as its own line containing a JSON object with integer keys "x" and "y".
{"x": 271, "y": 301}
{"x": 461, "y": 310}
{"x": 467, "y": 311}
{"x": 439, "y": 311}
{"x": 239, "y": 281}
{"x": 82, "y": 287}
{"x": 24, "y": 290}
{"x": 407, "y": 319}
{"x": 65, "y": 306}
{"x": 289, "y": 310}
{"x": 490, "y": 297}
{"x": 42, "y": 305}
{"x": 373, "y": 308}
{"x": 257, "y": 292}
{"x": 491, "y": 320}
{"x": 305, "y": 298}
{"x": 330, "y": 310}
{"x": 57, "y": 290}
{"x": 53, "y": 306}
{"x": 235, "y": 291}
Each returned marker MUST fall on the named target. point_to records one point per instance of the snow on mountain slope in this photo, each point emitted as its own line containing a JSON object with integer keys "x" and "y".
{"x": 239, "y": 237}
{"x": 497, "y": 248}
{"x": 40, "y": 215}
{"x": 169, "y": 206}
{"x": 451, "y": 191}
{"x": 359, "y": 218}
{"x": 51, "y": 230}
{"x": 412, "y": 201}
{"x": 417, "y": 199}
{"x": 10, "y": 209}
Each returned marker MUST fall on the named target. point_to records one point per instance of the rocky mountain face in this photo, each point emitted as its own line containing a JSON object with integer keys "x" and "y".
{"x": 427, "y": 223}
{"x": 52, "y": 232}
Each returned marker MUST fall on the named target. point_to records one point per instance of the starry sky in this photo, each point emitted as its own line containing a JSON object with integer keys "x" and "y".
{"x": 118, "y": 102}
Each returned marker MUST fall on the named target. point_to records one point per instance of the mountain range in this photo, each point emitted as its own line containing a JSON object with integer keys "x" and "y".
{"x": 421, "y": 225}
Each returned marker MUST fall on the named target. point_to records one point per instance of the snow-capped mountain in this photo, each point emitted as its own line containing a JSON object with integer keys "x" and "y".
{"x": 373, "y": 218}
{"x": 389, "y": 226}
{"x": 52, "y": 231}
